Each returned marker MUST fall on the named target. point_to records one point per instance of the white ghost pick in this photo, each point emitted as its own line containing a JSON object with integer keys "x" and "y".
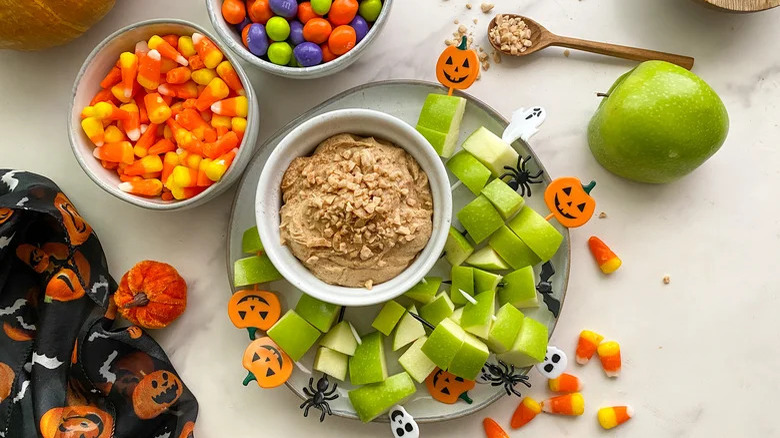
{"x": 402, "y": 424}
{"x": 525, "y": 123}
{"x": 555, "y": 362}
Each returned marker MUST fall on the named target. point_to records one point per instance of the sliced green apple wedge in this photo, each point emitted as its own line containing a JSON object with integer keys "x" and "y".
{"x": 340, "y": 338}
{"x": 368, "y": 365}
{"x": 415, "y": 362}
{"x": 537, "y": 233}
{"x": 478, "y": 317}
{"x": 529, "y": 347}
{"x": 250, "y": 241}
{"x": 489, "y": 149}
{"x": 470, "y": 359}
{"x": 443, "y": 343}
{"x": 388, "y": 317}
{"x": 519, "y": 289}
{"x": 331, "y": 363}
{"x": 462, "y": 279}
{"x": 512, "y": 249}
{"x": 254, "y": 270}
{"x": 505, "y": 329}
{"x": 442, "y": 114}
{"x": 480, "y": 219}
{"x": 318, "y": 313}
{"x": 371, "y": 401}
{"x": 485, "y": 281}
{"x": 294, "y": 334}
{"x": 507, "y": 201}
{"x": 438, "y": 309}
{"x": 488, "y": 259}
{"x": 408, "y": 330}
{"x": 457, "y": 248}
{"x": 424, "y": 291}
{"x": 473, "y": 174}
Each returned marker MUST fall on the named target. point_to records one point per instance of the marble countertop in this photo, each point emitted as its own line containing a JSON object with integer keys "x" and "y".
{"x": 700, "y": 354}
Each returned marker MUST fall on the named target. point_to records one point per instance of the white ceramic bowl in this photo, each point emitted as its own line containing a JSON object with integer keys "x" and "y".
{"x": 301, "y": 142}
{"x": 232, "y": 38}
{"x": 87, "y": 84}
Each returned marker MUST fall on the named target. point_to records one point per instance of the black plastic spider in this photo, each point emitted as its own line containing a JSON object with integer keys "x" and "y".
{"x": 318, "y": 398}
{"x": 520, "y": 177}
{"x": 503, "y": 375}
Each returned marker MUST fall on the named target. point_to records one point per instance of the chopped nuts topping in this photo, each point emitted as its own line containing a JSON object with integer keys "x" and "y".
{"x": 511, "y": 34}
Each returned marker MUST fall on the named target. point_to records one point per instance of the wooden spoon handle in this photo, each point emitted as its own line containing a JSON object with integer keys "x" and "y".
{"x": 624, "y": 52}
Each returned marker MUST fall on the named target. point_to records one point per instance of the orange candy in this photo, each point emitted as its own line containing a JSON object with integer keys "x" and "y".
{"x": 112, "y": 78}
{"x": 260, "y": 11}
{"x": 305, "y": 12}
{"x": 609, "y": 354}
{"x": 565, "y": 383}
{"x": 327, "y": 55}
{"x": 526, "y": 411}
{"x": 233, "y": 11}
{"x": 342, "y": 40}
{"x": 178, "y": 75}
{"x": 493, "y": 430}
{"x": 317, "y": 30}
{"x": 342, "y": 11}
{"x": 149, "y": 70}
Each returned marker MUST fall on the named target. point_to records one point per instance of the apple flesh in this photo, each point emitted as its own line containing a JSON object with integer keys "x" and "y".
{"x": 507, "y": 201}
{"x": 531, "y": 227}
{"x": 491, "y": 151}
{"x": 442, "y": 115}
{"x": 371, "y": 401}
{"x": 443, "y": 343}
{"x": 424, "y": 291}
{"x": 318, "y": 313}
{"x": 250, "y": 241}
{"x": 438, "y": 309}
{"x": 512, "y": 249}
{"x": 340, "y": 338}
{"x": 485, "y": 281}
{"x": 331, "y": 363}
{"x": 368, "y": 365}
{"x": 477, "y": 318}
{"x": 409, "y": 329}
{"x": 462, "y": 279}
{"x": 388, "y": 317}
{"x": 470, "y": 359}
{"x": 457, "y": 315}
{"x": 519, "y": 289}
{"x": 530, "y": 345}
{"x": 473, "y": 174}
{"x": 480, "y": 219}
{"x": 254, "y": 270}
{"x": 505, "y": 329}
{"x": 488, "y": 259}
{"x": 294, "y": 335}
{"x": 457, "y": 248}
{"x": 415, "y": 362}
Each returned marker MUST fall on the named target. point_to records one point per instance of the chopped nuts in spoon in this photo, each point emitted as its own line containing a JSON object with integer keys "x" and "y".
{"x": 511, "y": 34}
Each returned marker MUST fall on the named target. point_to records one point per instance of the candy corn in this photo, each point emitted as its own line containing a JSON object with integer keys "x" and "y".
{"x": 186, "y": 47}
{"x": 609, "y": 353}
{"x": 233, "y": 107}
{"x": 142, "y": 187}
{"x": 565, "y": 383}
{"x": 178, "y": 75}
{"x": 526, "y": 411}
{"x": 607, "y": 260}
{"x": 94, "y": 130}
{"x": 121, "y": 152}
{"x": 215, "y": 91}
{"x": 162, "y": 147}
{"x": 147, "y": 164}
{"x": 493, "y": 430}
{"x": 183, "y": 177}
{"x": 228, "y": 74}
{"x": 586, "y": 346}
{"x": 569, "y": 404}
{"x": 614, "y": 416}
{"x": 128, "y": 64}
{"x": 203, "y": 76}
{"x": 207, "y": 50}
{"x": 112, "y": 134}
{"x": 216, "y": 170}
{"x": 109, "y": 111}
{"x": 166, "y": 50}
{"x": 156, "y": 108}
{"x": 113, "y": 77}
{"x": 187, "y": 90}
{"x": 132, "y": 124}
{"x": 149, "y": 70}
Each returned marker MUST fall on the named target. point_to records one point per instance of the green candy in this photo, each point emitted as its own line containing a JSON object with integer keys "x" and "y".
{"x": 321, "y": 7}
{"x": 278, "y": 29}
{"x": 369, "y": 9}
{"x": 280, "y": 53}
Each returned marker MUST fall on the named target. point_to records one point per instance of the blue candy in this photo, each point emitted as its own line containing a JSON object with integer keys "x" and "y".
{"x": 240, "y": 26}
{"x": 361, "y": 27}
{"x": 257, "y": 39}
{"x": 296, "y": 32}
{"x": 284, "y": 8}
{"x": 308, "y": 54}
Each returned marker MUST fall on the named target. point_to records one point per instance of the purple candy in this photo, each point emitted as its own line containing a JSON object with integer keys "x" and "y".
{"x": 257, "y": 39}
{"x": 284, "y": 8}
{"x": 308, "y": 54}
{"x": 240, "y": 26}
{"x": 361, "y": 27}
{"x": 296, "y": 32}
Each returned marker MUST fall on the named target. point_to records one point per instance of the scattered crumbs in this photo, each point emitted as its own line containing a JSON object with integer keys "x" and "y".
{"x": 456, "y": 21}
{"x": 369, "y": 284}
{"x": 496, "y": 57}
{"x": 660, "y": 347}
{"x": 462, "y": 29}
{"x": 487, "y": 7}
{"x": 476, "y": 21}
{"x": 602, "y": 215}
{"x": 468, "y": 5}
{"x": 667, "y": 279}
{"x": 566, "y": 53}
{"x": 481, "y": 49}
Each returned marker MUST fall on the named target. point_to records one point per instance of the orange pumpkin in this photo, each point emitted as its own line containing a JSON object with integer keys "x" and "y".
{"x": 151, "y": 294}
{"x": 130, "y": 370}
{"x": 7, "y": 377}
{"x": 134, "y": 332}
{"x": 254, "y": 310}
{"x": 155, "y": 393}
{"x": 33, "y": 257}
{"x": 458, "y": 66}
{"x": 447, "y": 387}
{"x": 65, "y": 285}
{"x": 76, "y": 422}
{"x": 17, "y": 334}
{"x": 78, "y": 230}
{"x": 5, "y": 214}
{"x": 267, "y": 364}
{"x": 570, "y": 202}
{"x": 188, "y": 431}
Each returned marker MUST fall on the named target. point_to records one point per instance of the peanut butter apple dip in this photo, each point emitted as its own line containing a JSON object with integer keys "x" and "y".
{"x": 356, "y": 212}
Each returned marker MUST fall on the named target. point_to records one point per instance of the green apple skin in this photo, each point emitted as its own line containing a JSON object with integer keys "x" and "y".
{"x": 519, "y": 289}
{"x": 424, "y": 291}
{"x": 443, "y": 343}
{"x": 415, "y": 362}
{"x": 478, "y": 317}
{"x": 294, "y": 334}
{"x": 659, "y": 123}
{"x": 470, "y": 359}
{"x": 469, "y": 171}
{"x": 340, "y": 338}
{"x": 388, "y": 317}
{"x": 254, "y": 270}
{"x": 507, "y": 201}
{"x": 480, "y": 218}
{"x": 250, "y": 241}
{"x": 485, "y": 281}
{"x": 505, "y": 329}
{"x": 318, "y": 313}
{"x": 529, "y": 347}
{"x": 462, "y": 279}
{"x": 531, "y": 227}
{"x": 408, "y": 330}
{"x": 491, "y": 150}
{"x": 438, "y": 140}
{"x": 371, "y": 401}
{"x": 368, "y": 365}
{"x": 457, "y": 248}
{"x": 440, "y": 120}
{"x": 512, "y": 249}
{"x": 438, "y": 309}
{"x": 331, "y": 363}
{"x": 488, "y": 259}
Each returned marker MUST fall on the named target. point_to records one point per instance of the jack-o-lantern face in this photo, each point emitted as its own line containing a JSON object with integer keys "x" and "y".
{"x": 76, "y": 422}
{"x": 253, "y": 310}
{"x": 134, "y": 332}
{"x": 65, "y": 284}
{"x": 447, "y": 387}
{"x": 33, "y": 257}
{"x": 78, "y": 230}
{"x": 5, "y": 214}
{"x": 155, "y": 393}
{"x": 129, "y": 371}
{"x": 268, "y": 364}
{"x": 458, "y": 67}
{"x": 570, "y": 202}
{"x": 7, "y": 377}
{"x": 188, "y": 430}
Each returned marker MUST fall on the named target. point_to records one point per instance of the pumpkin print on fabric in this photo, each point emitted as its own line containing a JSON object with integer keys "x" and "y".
{"x": 78, "y": 229}
{"x": 457, "y": 67}
{"x": 65, "y": 284}
{"x": 5, "y": 214}
{"x": 254, "y": 310}
{"x": 129, "y": 370}
{"x": 34, "y": 257}
{"x": 76, "y": 422}
{"x": 155, "y": 393}
{"x": 447, "y": 387}
{"x": 570, "y": 201}
{"x": 151, "y": 294}
{"x": 7, "y": 377}
{"x": 135, "y": 332}
{"x": 267, "y": 364}
{"x": 188, "y": 430}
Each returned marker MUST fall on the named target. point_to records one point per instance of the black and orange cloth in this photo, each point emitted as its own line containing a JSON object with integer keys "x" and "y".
{"x": 65, "y": 371}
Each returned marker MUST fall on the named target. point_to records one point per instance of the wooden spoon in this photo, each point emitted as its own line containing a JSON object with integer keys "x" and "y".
{"x": 542, "y": 38}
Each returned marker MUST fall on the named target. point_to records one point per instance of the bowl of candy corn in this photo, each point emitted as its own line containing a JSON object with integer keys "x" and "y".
{"x": 163, "y": 116}
{"x": 301, "y": 40}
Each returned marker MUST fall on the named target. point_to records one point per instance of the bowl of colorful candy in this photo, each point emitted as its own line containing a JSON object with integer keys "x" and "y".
{"x": 163, "y": 115}
{"x": 302, "y": 40}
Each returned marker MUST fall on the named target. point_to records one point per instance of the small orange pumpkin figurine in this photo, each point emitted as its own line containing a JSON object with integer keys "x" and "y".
{"x": 5, "y": 214}
{"x": 151, "y": 294}
{"x": 458, "y": 66}
{"x": 66, "y": 284}
{"x": 570, "y": 202}
{"x": 155, "y": 393}
{"x": 76, "y": 422}
{"x": 267, "y": 364}
{"x": 7, "y": 377}
{"x": 254, "y": 310}
{"x": 447, "y": 387}
{"x": 78, "y": 229}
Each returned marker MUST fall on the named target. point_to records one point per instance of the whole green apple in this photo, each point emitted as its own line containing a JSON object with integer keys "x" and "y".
{"x": 657, "y": 124}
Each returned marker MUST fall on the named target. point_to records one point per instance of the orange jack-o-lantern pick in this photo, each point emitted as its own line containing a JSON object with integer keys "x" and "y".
{"x": 155, "y": 393}
{"x": 76, "y": 422}
{"x": 5, "y": 214}
{"x": 570, "y": 202}
{"x": 267, "y": 364}
{"x": 457, "y": 67}
{"x": 254, "y": 310}
{"x": 447, "y": 387}
{"x": 7, "y": 376}
{"x": 78, "y": 229}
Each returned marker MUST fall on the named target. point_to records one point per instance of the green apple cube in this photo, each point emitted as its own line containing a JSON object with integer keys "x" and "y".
{"x": 485, "y": 281}
{"x": 505, "y": 329}
{"x": 512, "y": 249}
{"x": 254, "y": 270}
{"x": 408, "y": 330}
{"x": 507, "y": 201}
{"x": 415, "y": 362}
{"x": 368, "y": 365}
{"x": 331, "y": 363}
{"x": 470, "y": 359}
{"x": 340, "y": 338}
{"x": 457, "y": 248}
{"x": 469, "y": 171}
{"x": 318, "y": 313}
{"x": 477, "y": 318}
{"x": 250, "y": 241}
{"x": 519, "y": 289}
{"x": 462, "y": 279}
{"x": 487, "y": 258}
{"x": 438, "y": 309}
{"x": 442, "y": 115}
{"x": 424, "y": 291}
{"x": 537, "y": 233}
{"x": 388, "y": 317}
{"x": 457, "y": 315}
{"x": 371, "y": 401}
{"x": 480, "y": 219}
{"x": 443, "y": 343}
{"x": 489, "y": 149}
{"x": 293, "y": 334}
{"x": 530, "y": 345}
